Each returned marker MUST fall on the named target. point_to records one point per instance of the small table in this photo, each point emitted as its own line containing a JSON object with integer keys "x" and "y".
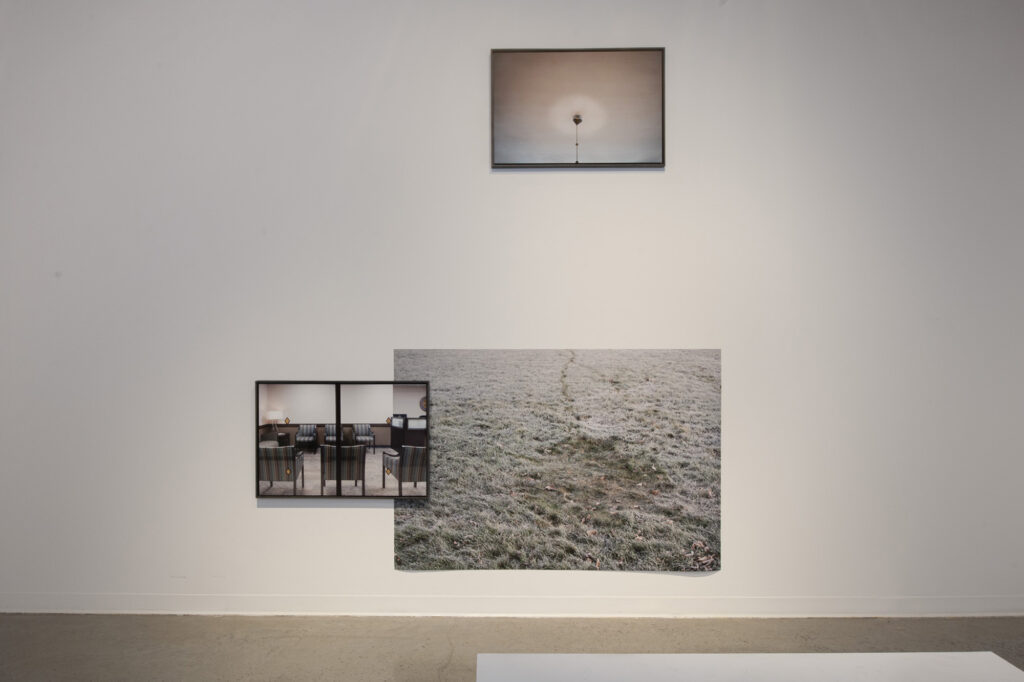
{"x": 390, "y": 459}
{"x": 284, "y": 439}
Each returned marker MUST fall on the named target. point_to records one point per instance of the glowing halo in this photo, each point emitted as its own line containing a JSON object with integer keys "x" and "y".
{"x": 561, "y": 112}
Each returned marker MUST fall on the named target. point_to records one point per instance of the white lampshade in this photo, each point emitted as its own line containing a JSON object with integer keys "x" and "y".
{"x": 274, "y": 415}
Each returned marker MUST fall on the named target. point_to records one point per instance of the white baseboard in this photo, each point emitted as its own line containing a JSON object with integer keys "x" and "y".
{"x": 519, "y": 606}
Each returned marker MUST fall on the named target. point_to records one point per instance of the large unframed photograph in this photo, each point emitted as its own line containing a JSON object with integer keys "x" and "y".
{"x": 567, "y": 459}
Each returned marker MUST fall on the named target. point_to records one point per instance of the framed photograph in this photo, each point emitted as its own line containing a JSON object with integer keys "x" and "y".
{"x": 342, "y": 439}
{"x": 597, "y": 108}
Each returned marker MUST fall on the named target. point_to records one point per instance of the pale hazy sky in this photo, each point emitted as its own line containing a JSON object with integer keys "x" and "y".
{"x": 617, "y": 93}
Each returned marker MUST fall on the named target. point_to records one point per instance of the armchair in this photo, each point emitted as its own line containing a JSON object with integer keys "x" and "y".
{"x": 280, "y": 464}
{"x": 412, "y": 467}
{"x": 365, "y": 435}
{"x": 305, "y": 439}
{"x": 343, "y": 463}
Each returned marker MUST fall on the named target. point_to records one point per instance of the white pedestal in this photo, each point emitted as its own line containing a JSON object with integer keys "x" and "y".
{"x": 979, "y": 666}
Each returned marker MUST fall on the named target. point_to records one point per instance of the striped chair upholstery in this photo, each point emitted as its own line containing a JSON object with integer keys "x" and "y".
{"x": 280, "y": 464}
{"x": 331, "y": 434}
{"x": 364, "y": 435}
{"x": 413, "y": 466}
{"x": 306, "y": 438}
{"x": 343, "y": 463}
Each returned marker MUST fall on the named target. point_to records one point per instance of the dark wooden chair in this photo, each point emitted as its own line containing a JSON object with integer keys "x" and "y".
{"x": 306, "y": 439}
{"x": 343, "y": 463}
{"x": 280, "y": 464}
{"x": 365, "y": 436}
{"x": 412, "y": 467}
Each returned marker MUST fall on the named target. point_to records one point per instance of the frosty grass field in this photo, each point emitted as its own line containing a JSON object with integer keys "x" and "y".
{"x": 567, "y": 459}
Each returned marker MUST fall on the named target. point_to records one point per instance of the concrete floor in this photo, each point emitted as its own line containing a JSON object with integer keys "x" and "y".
{"x": 114, "y": 647}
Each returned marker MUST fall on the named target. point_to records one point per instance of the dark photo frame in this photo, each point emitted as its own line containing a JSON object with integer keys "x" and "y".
{"x": 339, "y": 439}
{"x": 578, "y": 108}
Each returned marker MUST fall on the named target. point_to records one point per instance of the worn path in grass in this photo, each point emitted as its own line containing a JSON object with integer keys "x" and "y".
{"x": 558, "y": 459}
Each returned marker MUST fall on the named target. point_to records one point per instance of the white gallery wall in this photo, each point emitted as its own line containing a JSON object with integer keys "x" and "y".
{"x": 195, "y": 195}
